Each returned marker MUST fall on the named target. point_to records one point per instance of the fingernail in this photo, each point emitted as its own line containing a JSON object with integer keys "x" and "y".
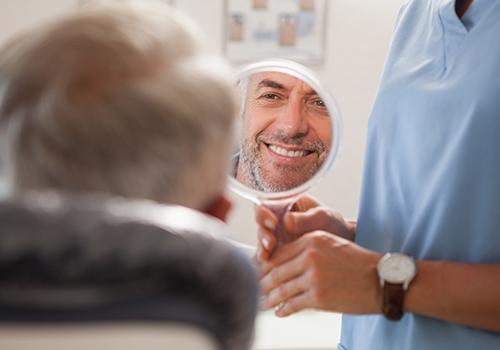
{"x": 265, "y": 241}
{"x": 279, "y": 310}
{"x": 269, "y": 224}
{"x": 281, "y": 313}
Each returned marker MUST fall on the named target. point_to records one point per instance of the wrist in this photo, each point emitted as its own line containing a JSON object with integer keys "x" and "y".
{"x": 374, "y": 297}
{"x": 395, "y": 271}
{"x": 421, "y": 295}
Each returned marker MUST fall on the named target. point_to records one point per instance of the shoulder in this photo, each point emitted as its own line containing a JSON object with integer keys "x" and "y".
{"x": 414, "y": 10}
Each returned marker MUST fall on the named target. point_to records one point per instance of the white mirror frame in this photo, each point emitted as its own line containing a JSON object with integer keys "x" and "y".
{"x": 305, "y": 74}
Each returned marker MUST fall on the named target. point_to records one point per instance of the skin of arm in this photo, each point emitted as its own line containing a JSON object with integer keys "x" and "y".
{"x": 467, "y": 294}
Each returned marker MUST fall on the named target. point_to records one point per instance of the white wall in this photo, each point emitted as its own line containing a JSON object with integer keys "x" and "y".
{"x": 357, "y": 39}
{"x": 17, "y": 15}
{"x": 358, "y": 36}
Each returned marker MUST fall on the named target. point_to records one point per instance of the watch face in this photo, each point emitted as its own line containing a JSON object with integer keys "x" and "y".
{"x": 396, "y": 268}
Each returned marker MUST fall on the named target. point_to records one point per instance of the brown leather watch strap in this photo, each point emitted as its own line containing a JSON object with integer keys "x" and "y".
{"x": 394, "y": 296}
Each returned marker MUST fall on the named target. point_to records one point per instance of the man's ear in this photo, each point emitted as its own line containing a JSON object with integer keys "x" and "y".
{"x": 219, "y": 207}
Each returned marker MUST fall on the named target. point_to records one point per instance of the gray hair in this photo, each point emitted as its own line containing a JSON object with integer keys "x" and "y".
{"x": 120, "y": 100}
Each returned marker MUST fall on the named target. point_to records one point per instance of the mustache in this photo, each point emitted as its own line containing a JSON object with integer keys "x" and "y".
{"x": 316, "y": 146}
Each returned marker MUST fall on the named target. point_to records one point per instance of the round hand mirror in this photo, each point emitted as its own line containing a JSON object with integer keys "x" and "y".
{"x": 289, "y": 132}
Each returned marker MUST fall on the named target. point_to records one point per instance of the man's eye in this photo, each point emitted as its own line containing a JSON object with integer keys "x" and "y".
{"x": 319, "y": 103}
{"x": 270, "y": 96}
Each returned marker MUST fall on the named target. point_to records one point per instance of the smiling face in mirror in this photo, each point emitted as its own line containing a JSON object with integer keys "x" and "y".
{"x": 287, "y": 132}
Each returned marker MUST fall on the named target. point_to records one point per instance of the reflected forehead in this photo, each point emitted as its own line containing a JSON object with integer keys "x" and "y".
{"x": 279, "y": 81}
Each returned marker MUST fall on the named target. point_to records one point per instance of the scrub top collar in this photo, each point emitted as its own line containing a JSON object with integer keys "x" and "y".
{"x": 477, "y": 10}
{"x": 456, "y": 29}
{"x": 461, "y": 26}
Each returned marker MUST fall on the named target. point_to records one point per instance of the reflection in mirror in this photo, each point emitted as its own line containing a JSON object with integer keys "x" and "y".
{"x": 286, "y": 132}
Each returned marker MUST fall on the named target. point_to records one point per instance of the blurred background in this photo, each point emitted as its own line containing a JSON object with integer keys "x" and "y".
{"x": 356, "y": 38}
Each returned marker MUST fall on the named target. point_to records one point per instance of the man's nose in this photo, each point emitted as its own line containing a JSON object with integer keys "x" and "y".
{"x": 293, "y": 119}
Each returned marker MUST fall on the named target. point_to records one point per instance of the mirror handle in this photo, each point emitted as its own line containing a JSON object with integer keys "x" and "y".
{"x": 280, "y": 208}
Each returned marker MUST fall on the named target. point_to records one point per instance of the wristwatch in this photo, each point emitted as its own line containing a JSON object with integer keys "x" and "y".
{"x": 395, "y": 272}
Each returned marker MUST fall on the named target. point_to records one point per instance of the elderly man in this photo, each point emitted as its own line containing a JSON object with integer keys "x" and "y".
{"x": 286, "y": 132}
{"x": 120, "y": 102}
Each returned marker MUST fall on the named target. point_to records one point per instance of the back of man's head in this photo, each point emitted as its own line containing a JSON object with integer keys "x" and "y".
{"x": 117, "y": 100}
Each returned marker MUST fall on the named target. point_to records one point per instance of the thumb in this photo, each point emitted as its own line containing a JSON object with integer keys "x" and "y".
{"x": 306, "y": 203}
{"x": 299, "y": 223}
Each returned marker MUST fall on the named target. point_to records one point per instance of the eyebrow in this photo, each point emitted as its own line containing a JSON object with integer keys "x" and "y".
{"x": 275, "y": 85}
{"x": 270, "y": 83}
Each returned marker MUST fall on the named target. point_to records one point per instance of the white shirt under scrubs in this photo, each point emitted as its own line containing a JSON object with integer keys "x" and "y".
{"x": 431, "y": 186}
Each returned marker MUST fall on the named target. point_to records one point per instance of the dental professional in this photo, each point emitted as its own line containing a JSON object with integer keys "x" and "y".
{"x": 420, "y": 267}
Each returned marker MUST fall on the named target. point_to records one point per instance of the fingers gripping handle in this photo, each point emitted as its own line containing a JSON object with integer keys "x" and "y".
{"x": 280, "y": 209}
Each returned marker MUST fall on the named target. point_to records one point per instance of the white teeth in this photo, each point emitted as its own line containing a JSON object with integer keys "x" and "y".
{"x": 284, "y": 152}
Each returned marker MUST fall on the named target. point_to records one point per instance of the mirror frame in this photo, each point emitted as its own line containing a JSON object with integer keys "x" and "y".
{"x": 305, "y": 74}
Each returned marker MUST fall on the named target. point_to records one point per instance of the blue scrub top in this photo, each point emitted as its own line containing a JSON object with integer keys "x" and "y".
{"x": 431, "y": 185}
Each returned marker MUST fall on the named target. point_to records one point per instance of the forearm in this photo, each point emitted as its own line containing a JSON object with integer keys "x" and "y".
{"x": 467, "y": 294}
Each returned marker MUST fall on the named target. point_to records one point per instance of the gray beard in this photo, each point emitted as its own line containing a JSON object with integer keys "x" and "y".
{"x": 252, "y": 170}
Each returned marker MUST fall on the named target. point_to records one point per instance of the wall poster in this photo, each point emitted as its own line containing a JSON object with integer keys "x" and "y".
{"x": 293, "y": 29}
